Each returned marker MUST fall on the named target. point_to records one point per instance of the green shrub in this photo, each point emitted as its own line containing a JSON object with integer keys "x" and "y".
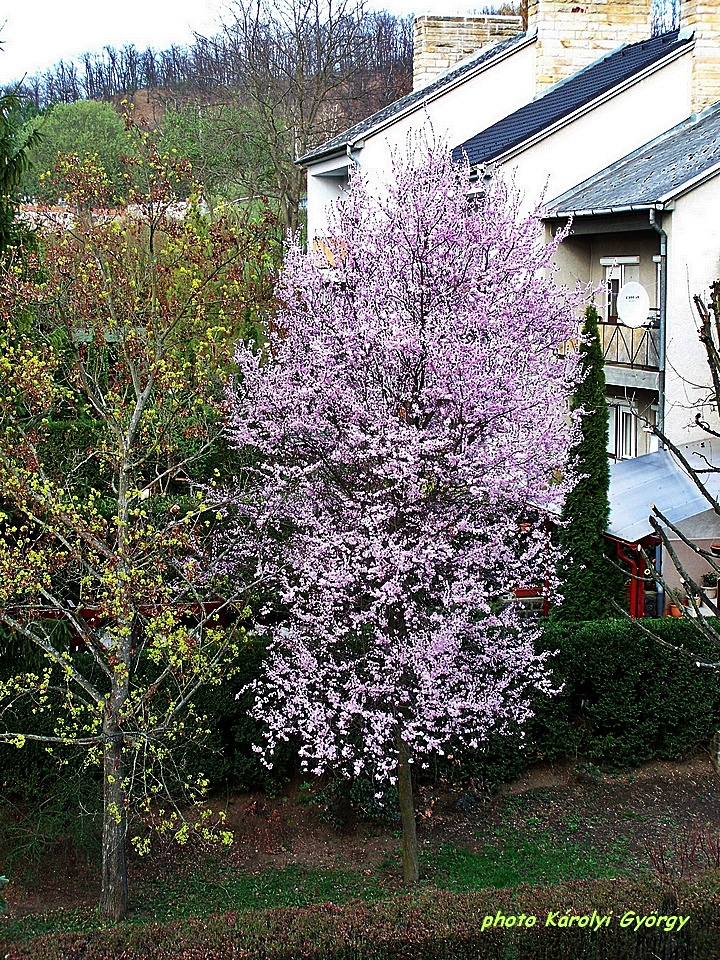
{"x": 628, "y": 698}
{"x": 624, "y": 700}
{"x": 227, "y": 757}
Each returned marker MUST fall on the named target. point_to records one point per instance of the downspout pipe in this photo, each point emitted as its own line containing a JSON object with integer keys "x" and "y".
{"x": 661, "y": 377}
{"x": 660, "y": 604}
{"x": 663, "y": 316}
{"x": 636, "y": 584}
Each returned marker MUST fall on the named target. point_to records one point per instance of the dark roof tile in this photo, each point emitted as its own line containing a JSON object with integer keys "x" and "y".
{"x": 569, "y": 95}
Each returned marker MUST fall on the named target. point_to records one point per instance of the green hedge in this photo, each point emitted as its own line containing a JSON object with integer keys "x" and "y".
{"x": 624, "y": 700}
{"x": 626, "y": 697}
{"x": 427, "y": 926}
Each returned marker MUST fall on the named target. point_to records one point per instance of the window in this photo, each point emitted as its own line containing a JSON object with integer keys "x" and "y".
{"x": 618, "y": 272}
{"x": 630, "y": 435}
{"x": 623, "y": 432}
{"x": 530, "y": 608}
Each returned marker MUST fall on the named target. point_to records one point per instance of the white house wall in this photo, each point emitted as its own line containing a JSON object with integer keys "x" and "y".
{"x": 693, "y": 264}
{"x": 453, "y": 117}
{"x": 577, "y": 150}
{"x": 325, "y": 183}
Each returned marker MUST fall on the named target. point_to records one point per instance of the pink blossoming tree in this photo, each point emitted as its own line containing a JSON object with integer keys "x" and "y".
{"x": 408, "y": 413}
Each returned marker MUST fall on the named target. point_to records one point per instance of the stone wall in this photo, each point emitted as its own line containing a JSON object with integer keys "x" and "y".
{"x": 573, "y": 33}
{"x": 703, "y": 17}
{"x": 440, "y": 42}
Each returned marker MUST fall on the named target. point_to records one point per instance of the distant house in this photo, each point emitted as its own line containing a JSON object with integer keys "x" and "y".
{"x": 653, "y": 216}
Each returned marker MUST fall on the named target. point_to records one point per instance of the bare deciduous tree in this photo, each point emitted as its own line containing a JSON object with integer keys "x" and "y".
{"x": 664, "y": 15}
{"x": 297, "y": 59}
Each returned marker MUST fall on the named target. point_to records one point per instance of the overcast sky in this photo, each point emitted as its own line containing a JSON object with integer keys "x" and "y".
{"x": 39, "y": 33}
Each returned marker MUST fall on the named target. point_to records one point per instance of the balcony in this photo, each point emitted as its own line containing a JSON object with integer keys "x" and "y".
{"x": 632, "y": 354}
{"x": 637, "y": 347}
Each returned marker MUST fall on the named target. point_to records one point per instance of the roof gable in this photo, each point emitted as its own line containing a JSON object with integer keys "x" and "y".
{"x": 570, "y": 95}
{"x": 458, "y": 73}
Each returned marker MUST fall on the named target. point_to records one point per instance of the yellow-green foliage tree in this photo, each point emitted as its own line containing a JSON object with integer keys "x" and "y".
{"x": 113, "y": 355}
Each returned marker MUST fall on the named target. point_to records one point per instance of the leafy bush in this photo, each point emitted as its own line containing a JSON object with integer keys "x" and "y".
{"x": 41, "y": 791}
{"x": 626, "y": 698}
{"x": 226, "y": 758}
{"x": 339, "y": 799}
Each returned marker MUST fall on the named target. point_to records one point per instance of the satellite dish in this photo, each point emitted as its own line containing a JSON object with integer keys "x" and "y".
{"x": 633, "y": 304}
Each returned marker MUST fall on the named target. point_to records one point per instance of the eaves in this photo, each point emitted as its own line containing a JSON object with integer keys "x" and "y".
{"x": 665, "y": 202}
{"x": 608, "y": 211}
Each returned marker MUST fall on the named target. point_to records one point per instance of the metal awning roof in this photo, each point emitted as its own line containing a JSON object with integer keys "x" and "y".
{"x": 657, "y": 478}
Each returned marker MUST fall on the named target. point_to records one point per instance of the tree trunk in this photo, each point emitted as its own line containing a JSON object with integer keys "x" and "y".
{"x": 411, "y": 867}
{"x": 114, "y": 893}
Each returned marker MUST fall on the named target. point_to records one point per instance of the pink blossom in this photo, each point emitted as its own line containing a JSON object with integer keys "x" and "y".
{"x": 409, "y": 412}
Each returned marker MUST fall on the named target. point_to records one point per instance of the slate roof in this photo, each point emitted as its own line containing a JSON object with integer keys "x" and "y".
{"x": 465, "y": 69}
{"x": 652, "y": 175}
{"x": 569, "y": 95}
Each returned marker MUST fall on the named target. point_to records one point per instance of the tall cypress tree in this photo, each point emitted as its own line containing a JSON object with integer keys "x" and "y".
{"x": 590, "y": 582}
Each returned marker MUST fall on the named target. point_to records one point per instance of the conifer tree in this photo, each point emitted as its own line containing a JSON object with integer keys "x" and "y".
{"x": 590, "y": 582}
{"x": 14, "y": 162}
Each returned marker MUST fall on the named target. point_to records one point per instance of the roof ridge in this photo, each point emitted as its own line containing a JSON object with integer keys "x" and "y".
{"x": 621, "y": 50}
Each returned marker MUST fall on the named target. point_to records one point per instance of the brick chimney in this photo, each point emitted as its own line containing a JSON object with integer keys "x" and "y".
{"x": 573, "y": 33}
{"x": 440, "y": 42}
{"x": 703, "y": 18}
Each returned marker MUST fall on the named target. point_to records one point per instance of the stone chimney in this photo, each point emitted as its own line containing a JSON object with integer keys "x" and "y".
{"x": 440, "y": 42}
{"x": 703, "y": 18}
{"x": 573, "y": 33}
